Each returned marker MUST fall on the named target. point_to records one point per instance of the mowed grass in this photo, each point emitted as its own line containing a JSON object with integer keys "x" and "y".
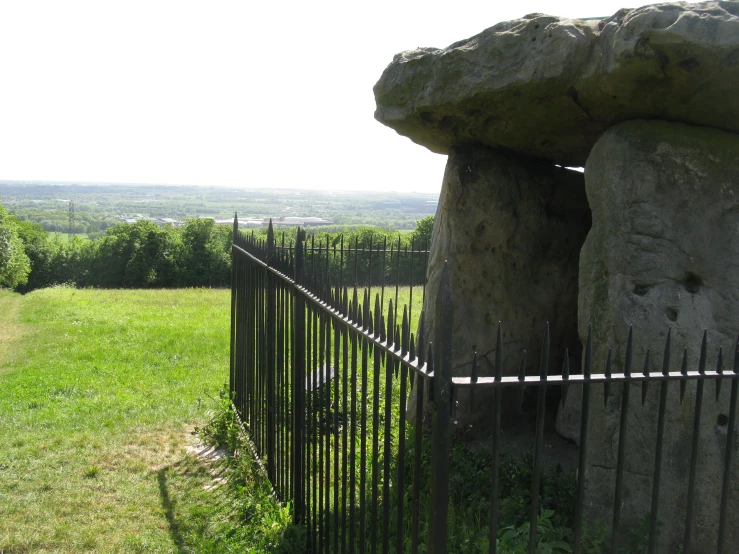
{"x": 64, "y": 237}
{"x": 99, "y": 392}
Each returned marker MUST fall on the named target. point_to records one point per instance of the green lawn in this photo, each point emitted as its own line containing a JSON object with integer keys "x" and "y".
{"x": 64, "y": 237}
{"x": 100, "y": 393}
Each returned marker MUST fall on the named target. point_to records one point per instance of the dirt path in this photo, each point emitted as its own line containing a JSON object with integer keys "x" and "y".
{"x": 11, "y": 329}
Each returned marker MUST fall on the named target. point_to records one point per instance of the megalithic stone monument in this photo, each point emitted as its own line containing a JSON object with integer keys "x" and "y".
{"x": 647, "y": 101}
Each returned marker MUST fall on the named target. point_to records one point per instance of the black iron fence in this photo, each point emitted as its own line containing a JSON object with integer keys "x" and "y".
{"x": 321, "y": 373}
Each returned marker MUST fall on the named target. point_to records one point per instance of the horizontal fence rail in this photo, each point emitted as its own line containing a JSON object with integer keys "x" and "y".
{"x": 323, "y": 370}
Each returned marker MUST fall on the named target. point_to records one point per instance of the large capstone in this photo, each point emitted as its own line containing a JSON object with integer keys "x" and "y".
{"x": 663, "y": 252}
{"x": 548, "y": 87}
{"x": 511, "y": 229}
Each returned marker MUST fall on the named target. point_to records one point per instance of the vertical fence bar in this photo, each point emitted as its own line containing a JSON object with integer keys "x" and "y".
{"x": 694, "y": 445}
{"x": 327, "y": 434}
{"x": 397, "y": 269}
{"x": 344, "y": 428}
{"x": 353, "y": 441}
{"x": 279, "y": 390}
{"x": 584, "y": 421}
{"x": 249, "y": 352}
{"x": 312, "y": 411}
{"x": 444, "y": 326}
{"x": 404, "y": 349}
{"x": 384, "y": 268}
{"x": 654, "y": 513}
{"x": 418, "y": 439}
{"x": 497, "y": 401}
{"x": 387, "y": 433}
{"x": 539, "y": 445}
{"x": 243, "y": 331}
{"x": 363, "y": 451}
{"x": 232, "y": 366}
{"x": 377, "y": 369}
{"x": 237, "y": 392}
{"x": 270, "y": 355}
{"x": 298, "y": 386}
{"x": 259, "y": 353}
{"x": 728, "y": 454}
{"x": 318, "y": 393}
{"x": 410, "y": 280}
{"x": 620, "y": 464}
{"x": 337, "y": 448}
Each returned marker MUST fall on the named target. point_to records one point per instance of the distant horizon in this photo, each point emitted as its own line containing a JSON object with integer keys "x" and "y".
{"x": 234, "y": 187}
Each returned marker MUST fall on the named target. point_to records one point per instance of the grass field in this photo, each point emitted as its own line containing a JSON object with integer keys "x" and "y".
{"x": 64, "y": 237}
{"x": 100, "y": 392}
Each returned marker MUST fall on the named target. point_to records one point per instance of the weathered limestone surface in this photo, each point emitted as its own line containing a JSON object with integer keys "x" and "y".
{"x": 663, "y": 252}
{"x": 548, "y": 87}
{"x": 511, "y": 229}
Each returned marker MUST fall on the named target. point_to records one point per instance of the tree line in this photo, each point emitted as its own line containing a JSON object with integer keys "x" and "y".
{"x": 141, "y": 254}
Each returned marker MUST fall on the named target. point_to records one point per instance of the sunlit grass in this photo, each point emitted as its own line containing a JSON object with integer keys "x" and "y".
{"x": 100, "y": 390}
{"x": 100, "y": 393}
{"x": 64, "y": 237}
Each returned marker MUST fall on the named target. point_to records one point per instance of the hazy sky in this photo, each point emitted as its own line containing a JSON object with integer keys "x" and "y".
{"x": 233, "y": 93}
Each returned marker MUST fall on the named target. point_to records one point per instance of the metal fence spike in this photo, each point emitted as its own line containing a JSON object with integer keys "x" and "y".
{"x": 719, "y": 370}
{"x": 588, "y": 365}
{"x": 684, "y": 371}
{"x": 544, "y": 369}
{"x": 379, "y": 318}
{"x": 645, "y": 384}
{"x": 430, "y": 369}
{"x": 607, "y": 384}
{"x": 666, "y": 356}
{"x": 629, "y": 351}
{"x": 565, "y": 376}
{"x": 499, "y": 353}
{"x": 405, "y": 336}
{"x": 473, "y": 380}
{"x": 521, "y": 378}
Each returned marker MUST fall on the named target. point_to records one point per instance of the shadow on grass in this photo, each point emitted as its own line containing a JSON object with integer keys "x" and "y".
{"x": 174, "y": 528}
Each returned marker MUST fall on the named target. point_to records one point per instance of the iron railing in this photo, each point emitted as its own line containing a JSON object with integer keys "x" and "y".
{"x": 321, "y": 373}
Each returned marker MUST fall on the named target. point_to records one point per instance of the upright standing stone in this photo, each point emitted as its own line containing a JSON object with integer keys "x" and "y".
{"x": 663, "y": 252}
{"x": 511, "y": 228}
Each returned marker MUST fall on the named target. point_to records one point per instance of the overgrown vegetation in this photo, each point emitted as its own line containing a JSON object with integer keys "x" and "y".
{"x": 258, "y": 522}
{"x": 469, "y": 502}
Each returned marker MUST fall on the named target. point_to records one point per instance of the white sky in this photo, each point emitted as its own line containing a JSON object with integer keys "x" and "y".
{"x": 256, "y": 94}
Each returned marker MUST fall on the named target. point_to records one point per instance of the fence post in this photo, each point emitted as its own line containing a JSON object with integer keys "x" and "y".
{"x": 232, "y": 373}
{"x": 441, "y": 438}
{"x": 298, "y": 384}
{"x": 270, "y": 351}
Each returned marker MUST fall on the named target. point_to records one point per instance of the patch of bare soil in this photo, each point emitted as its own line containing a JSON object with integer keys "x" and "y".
{"x": 11, "y": 330}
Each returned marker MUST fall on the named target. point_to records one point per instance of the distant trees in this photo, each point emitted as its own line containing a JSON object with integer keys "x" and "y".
{"x": 138, "y": 255}
{"x": 14, "y": 263}
{"x": 144, "y": 255}
{"x": 384, "y": 267}
{"x": 423, "y": 231}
